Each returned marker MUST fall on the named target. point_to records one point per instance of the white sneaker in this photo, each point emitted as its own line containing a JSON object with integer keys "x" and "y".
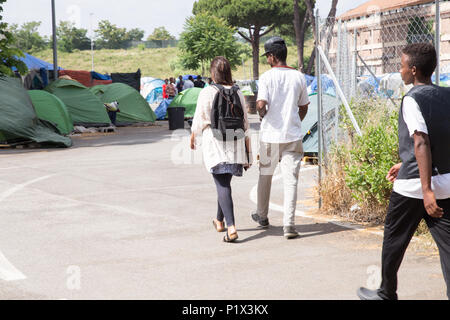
{"x": 290, "y": 232}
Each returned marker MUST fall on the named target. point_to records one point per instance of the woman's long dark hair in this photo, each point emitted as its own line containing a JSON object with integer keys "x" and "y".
{"x": 221, "y": 71}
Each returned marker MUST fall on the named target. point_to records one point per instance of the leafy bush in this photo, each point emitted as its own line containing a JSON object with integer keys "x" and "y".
{"x": 371, "y": 157}
{"x": 357, "y": 168}
{"x": 9, "y": 56}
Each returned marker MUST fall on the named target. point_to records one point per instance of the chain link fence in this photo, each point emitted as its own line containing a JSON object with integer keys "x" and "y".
{"x": 358, "y": 62}
{"x": 153, "y": 44}
{"x": 362, "y": 52}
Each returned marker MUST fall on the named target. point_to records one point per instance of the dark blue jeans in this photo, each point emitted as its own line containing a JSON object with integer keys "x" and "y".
{"x": 112, "y": 116}
{"x": 225, "y": 201}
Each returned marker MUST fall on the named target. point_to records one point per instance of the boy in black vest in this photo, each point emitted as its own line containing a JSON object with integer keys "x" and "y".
{"x": 422, "y": 180}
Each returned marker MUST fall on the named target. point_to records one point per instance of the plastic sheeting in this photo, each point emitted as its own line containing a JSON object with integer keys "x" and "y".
{"x": 309, "y": 124}
{"x": 392, "y": 86}
{"x": 152, "y": 90}
{"x": 131, "y": 79}
{"x": 83, "y": 77}
{"x": 327, "y": 85}
{"x": 36, "y": 63}
{"x": 18, "y": 119}
{"x": 99, "y": 76}
{"x": 161, "y": 111}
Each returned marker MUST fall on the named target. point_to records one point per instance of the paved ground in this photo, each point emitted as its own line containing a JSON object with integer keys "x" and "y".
{"x": 115, "y": 217}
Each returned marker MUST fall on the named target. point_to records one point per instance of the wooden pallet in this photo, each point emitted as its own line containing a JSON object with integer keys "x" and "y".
{"x": 107, "y": 130}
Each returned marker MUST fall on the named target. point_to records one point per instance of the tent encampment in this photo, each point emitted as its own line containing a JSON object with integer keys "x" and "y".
{"x": 133, "y": 108}
{"x": 50, "y": 108}
{"x": 19, "y": 122}
{"x": 84, "y": 107}
{"x": 187, "y": 99}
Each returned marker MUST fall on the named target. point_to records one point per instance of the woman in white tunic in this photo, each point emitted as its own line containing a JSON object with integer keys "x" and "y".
{"x": 223, "y": 159}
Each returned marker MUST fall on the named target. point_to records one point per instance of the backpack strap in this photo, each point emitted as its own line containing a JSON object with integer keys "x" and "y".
{"x": 218, "y": 86}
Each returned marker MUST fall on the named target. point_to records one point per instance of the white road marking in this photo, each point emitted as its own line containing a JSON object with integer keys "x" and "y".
{"x": 13, "y": 190}
{"x": 7, "y": 270}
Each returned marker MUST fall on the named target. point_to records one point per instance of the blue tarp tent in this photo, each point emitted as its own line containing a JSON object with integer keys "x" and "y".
{"x": 309, "y": 79}
{"x": 99, "y": 76}
{"x": 368, "y": 85}
{"x": 327, "y": 85}
{"x": 444, "y": 79}
{"x": 153, "y": 91}
{"x": 185, "y": 77}
{"x": 161, "y": 111}
{"x": 36, "y": 63}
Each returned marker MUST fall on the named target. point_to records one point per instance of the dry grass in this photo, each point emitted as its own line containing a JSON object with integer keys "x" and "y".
{"x": 337, "y": 197}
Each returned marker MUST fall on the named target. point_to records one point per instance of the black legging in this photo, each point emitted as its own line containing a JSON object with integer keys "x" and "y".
{"x": 225, "y": 201}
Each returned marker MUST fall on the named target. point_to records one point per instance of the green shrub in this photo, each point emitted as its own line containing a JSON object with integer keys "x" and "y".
{"x": 371, "y": 157}
{"x": 357, "y": 167}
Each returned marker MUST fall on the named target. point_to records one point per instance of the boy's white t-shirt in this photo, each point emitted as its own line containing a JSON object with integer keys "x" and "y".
{"x": 412, "y": 188}
{"x": 285, "y": 90}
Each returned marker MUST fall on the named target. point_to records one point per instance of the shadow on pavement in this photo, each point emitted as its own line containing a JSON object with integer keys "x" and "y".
{"x": 123, "y": 137}
{"x": 305, "y": 230}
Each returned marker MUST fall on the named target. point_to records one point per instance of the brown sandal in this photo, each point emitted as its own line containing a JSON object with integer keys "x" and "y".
{"x": 216, "y": 226}
{"x": 230, "y": 238}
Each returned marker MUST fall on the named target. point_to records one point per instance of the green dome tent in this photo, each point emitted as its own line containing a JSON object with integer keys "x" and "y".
{"x": 84, "y": 107}
{"x": 18, "y": 120}
{"x": 133, "y": 107}
{"x": 187, "y": 99}
{"x": 49, "y": 107}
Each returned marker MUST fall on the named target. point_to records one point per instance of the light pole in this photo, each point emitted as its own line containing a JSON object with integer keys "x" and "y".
{"x": 55, "y": 48}
{"x": 92, "y": 43}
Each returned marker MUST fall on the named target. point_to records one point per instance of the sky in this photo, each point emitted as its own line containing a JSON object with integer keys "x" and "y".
{"x": 143, "y": 14}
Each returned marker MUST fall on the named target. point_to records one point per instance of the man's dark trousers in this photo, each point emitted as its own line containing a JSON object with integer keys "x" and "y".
{"x": 403, "y": 218}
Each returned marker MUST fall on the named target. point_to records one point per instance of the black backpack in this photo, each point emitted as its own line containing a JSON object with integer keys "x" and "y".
{"x": 227, "y": 114}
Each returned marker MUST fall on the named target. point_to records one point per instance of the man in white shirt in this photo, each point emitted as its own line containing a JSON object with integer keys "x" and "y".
{"x": 422, "y": 180}
{"x": 283, "y": 104}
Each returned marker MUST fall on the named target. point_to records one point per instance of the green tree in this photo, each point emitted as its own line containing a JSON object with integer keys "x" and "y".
{"x": 110, "y": 36}
{"x": 254, "y": 18}
{"x": 8, "y": 54}
{"x": 160, "y": 34}
{"x": 206, "y": 37}
{"x": 135, "y": 34}
{"x": 27, "y": 37}
{"x": 71, "y": 38}
{"x": 302, "y": 24}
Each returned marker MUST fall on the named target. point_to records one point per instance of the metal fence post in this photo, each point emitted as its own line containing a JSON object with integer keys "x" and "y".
{"x": 338, "y": 75}
{"x": 319, "y": 105}
{"x": 438, "y": 41}
{"x": 55, "y": 44}
{"x": 355, "y": 64}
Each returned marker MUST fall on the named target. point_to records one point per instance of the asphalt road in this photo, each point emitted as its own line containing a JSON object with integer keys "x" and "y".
{"x": 128, "y": 216}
